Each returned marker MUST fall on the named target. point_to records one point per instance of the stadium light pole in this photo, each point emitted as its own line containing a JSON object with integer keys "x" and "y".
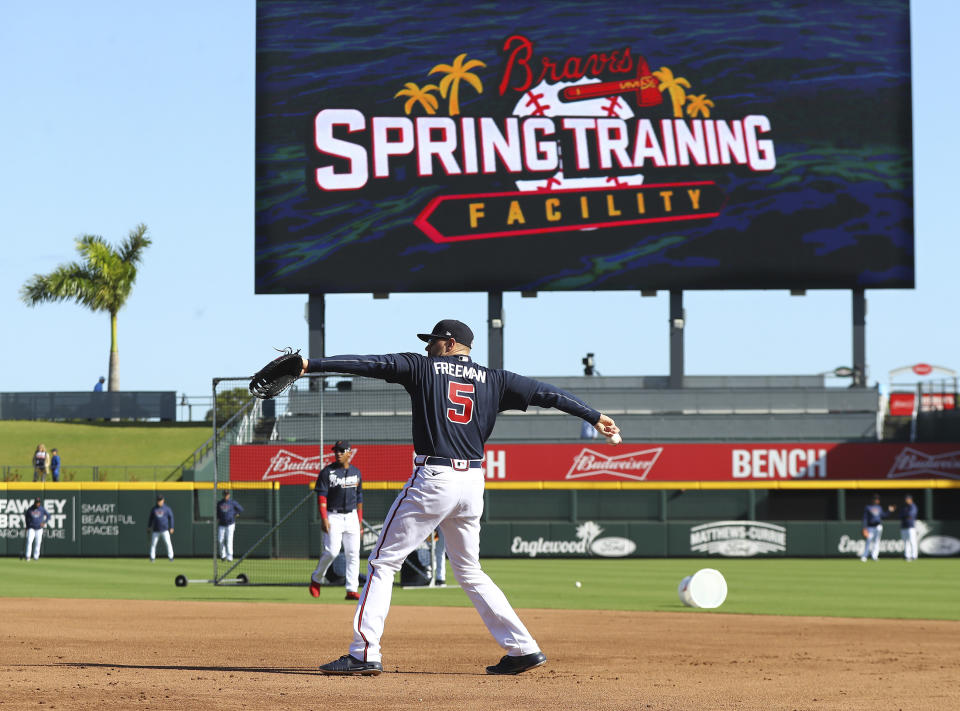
{"x": 859, "y": 339}
{"x": 677, "y": 324}
{"x": 316, "y": 326}
{"x": 495, "y": 329}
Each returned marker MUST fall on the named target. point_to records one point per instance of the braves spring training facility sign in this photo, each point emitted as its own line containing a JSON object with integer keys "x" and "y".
{"x": 734, "y": 462}
{"x": 596, "y": 145}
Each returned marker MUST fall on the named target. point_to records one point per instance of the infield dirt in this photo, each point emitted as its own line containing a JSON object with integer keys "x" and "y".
{"x": 104, "y": 654}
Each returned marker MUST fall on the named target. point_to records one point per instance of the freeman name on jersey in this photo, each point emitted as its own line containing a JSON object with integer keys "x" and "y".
{"x": 459, "y": 370}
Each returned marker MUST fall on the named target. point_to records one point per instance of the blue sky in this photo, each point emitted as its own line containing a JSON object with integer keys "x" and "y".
{"x": 116, "y": 113}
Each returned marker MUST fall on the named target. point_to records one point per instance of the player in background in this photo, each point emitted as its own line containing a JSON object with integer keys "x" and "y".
{"x": 160, "y": 525}
{"x": 340, "y": 505}
{"x": 454, "y": 403}
{"x": 35, "y": 518}
{"x": 908, "y": 527}
{"x": 440, "y": 559}
{"x": 873, "y": 515}
{"x": 227, "y": 512}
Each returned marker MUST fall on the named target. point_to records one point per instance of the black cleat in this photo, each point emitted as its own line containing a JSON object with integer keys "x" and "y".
{"x": 348, "y": 665}
{"x": 516, "y": 665}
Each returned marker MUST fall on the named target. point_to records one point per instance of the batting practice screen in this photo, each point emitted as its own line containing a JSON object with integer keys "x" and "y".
{"x": 583, "y": 146}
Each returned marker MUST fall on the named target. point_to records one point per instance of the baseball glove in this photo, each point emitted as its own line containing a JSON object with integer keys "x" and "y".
{"x": 277, "y": 375}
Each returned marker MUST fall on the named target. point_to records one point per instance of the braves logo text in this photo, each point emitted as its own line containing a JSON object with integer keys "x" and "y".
{"x": 575, "y": 135}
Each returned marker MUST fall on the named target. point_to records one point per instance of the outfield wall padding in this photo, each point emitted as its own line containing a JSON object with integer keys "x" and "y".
{"x": 107, "y": 519}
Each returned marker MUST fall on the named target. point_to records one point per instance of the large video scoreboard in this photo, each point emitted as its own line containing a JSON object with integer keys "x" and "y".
{"x": 435, "y": 146}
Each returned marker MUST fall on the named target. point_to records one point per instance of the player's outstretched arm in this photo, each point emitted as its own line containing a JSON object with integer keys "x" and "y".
{"x": 547, "y": 395}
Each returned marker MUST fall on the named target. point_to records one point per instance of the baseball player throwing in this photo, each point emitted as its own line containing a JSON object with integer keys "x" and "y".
{"x": 455, "y": 404}
{"x": 340, "y": 505}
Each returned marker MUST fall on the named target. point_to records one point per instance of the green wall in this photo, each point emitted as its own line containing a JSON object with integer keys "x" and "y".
{"x": 103, "y": 519}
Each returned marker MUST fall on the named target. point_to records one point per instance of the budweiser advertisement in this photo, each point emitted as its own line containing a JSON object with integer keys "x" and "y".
{"x": 902, "y": 403}
{"x": 299, "y": 464}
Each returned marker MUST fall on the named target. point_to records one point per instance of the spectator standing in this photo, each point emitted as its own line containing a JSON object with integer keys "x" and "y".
{"x": 160, "y": 525}
{"x": 54, "y": 464}
{"x": 98, "y": 388}
{"x": 873, "y": 515}
{"x": 908, "y": 527}
{"x": 227, "y": 512}
{"x": 36, "y": 518}
{"x": 40, "y": 463}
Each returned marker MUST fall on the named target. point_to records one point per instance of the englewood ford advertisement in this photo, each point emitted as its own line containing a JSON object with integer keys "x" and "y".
{"x": 300, "y": 464}
{"x": 583, "y": 146}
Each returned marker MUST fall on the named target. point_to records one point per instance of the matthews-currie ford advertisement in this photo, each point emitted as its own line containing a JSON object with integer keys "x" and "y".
{"x": 438, "y": 146}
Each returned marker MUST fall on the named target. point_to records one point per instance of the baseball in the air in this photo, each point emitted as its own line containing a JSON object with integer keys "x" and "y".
{"x": 577, "y": 583}
{"x": 614, "y": 439}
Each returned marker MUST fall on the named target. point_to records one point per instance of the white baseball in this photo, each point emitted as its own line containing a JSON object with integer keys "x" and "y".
{"x": 614, "y": 439}
{"x": 577, "y": 583}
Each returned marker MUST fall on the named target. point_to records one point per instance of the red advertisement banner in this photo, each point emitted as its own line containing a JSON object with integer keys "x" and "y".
{"x": 299, "y": 464}
{"x": 902, "y": 403}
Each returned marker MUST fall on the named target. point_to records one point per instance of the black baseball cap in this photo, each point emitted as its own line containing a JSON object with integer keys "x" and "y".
{"x": 341, "y": 445}
{"x": 450, "y": 328}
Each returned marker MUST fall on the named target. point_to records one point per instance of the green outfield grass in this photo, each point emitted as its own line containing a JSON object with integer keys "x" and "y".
{"x": 889, "y": 588}
{"x": 101, "y": 444}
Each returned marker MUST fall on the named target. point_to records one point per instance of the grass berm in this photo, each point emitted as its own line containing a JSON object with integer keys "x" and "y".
{"x": 100, "y": 443}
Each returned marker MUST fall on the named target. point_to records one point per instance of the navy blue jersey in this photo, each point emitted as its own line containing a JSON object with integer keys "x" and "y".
{"x": 227, "y": 510}
{"x": 455, "y": 402}
{"x": 873, "y": 515}
{"x": 908, "y": 515}
{"x": 341, "y": 486}
{"x": 161, "y": 518}
{"x": 36, "y": 516}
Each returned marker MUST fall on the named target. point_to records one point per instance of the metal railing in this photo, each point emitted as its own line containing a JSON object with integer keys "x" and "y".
{"x": 91, "y": 472}
{"x": 240, "y": 417}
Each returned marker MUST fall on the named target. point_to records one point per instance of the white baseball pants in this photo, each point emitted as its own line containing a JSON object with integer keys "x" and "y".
{"x": 872, "y": 547}
{"x": 910, "y": 548}
{"x": 34, "y": 536}
{"x": 345, "y": 530}
{"x": 453, "y": 500}
{"x": 225, "y": 539}
{"x": 154, "y": 537}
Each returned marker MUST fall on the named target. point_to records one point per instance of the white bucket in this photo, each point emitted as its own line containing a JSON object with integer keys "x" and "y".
{"x": 706, "y": 588}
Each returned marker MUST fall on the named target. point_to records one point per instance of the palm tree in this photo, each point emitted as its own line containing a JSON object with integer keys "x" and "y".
{"x": 698, "y": 104}
{"x": 456, "y": 73}
{"x": 419, "y": 95}
{"x": 101, "y": 282}
{"x": 675, "y": 85}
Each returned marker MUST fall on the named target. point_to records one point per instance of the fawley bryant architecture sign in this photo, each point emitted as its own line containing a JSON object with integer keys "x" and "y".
{"x": 562, "y": 147}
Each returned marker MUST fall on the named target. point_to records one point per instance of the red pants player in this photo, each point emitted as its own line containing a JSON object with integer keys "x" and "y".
{"x": 455, "y": 403}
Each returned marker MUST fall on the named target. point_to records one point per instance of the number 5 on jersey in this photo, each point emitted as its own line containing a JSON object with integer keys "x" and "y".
{"x": 460, "y": 394}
